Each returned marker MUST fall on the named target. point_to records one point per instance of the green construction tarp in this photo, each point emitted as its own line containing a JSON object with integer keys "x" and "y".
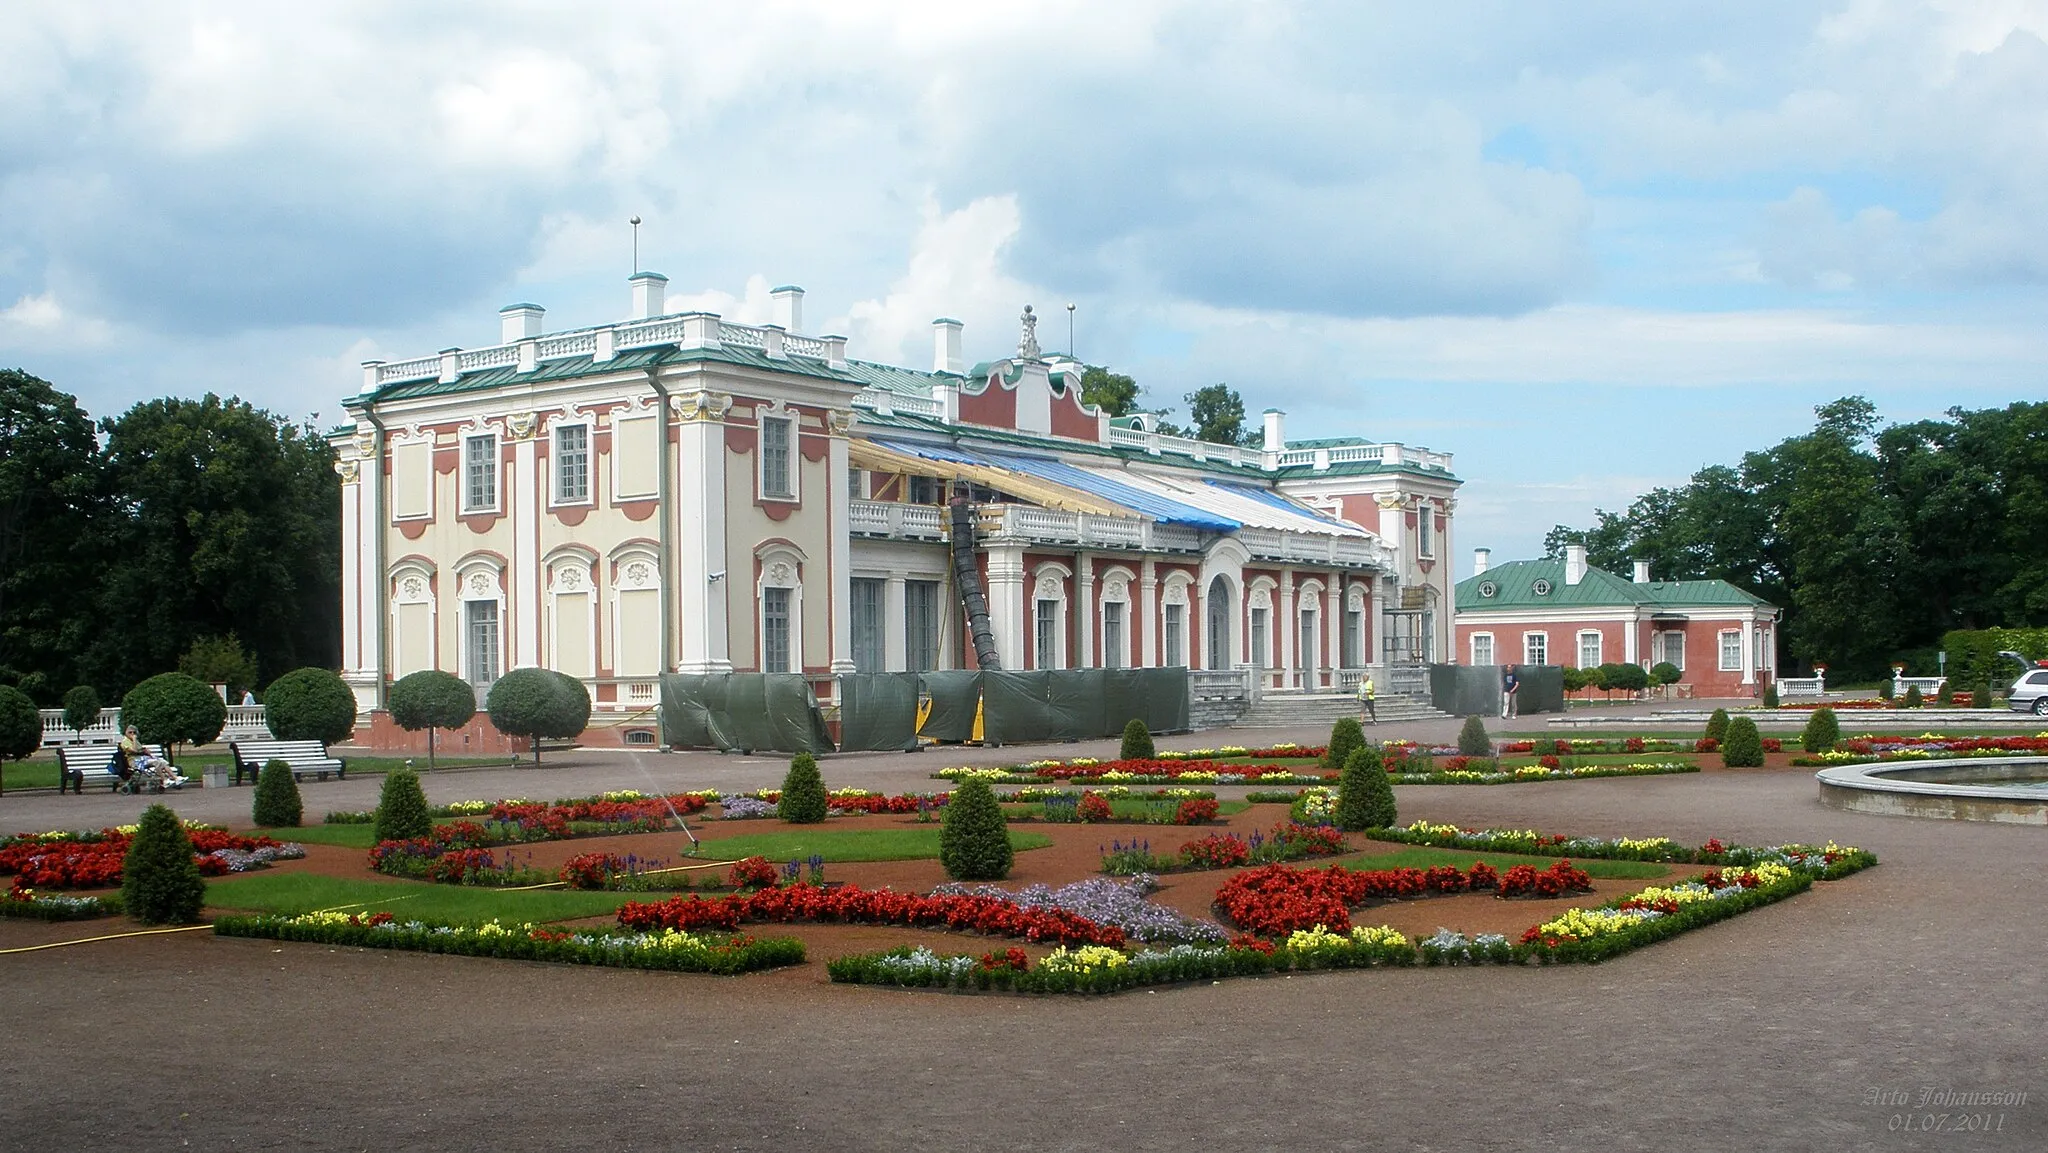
{"x": 1469, "y": 690}
{"x": 742, "y": 712}
{"x": 1542, "y": 689}
{"x": 878, "y": 712}
{"x": 1081, "y": 704}
{"x": 954, "y": 697}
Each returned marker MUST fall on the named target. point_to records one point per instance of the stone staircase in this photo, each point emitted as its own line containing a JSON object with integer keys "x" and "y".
{"x": 1293, "y": 710}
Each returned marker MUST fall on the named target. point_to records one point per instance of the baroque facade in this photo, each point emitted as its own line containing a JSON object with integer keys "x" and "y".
{"x": 679, "y": 492}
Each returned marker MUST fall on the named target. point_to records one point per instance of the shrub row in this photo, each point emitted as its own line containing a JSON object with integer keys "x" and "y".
{"x": 678, "y": 952}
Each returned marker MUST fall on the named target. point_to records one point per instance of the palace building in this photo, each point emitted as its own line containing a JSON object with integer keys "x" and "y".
{"x": 677, "y": 492}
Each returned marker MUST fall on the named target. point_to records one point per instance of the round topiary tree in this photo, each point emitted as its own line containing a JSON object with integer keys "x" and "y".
{"x": 1822, "y": 731}
{"x": 1745, "y": 747}
{"x": 81, "y": 708}
{"x": 1137, "y": 742}
{"x": 1347, "y": 736}
{"x": 310, "y": 705}
{"x": 21, "y": 728}
{"x": 278, "y": 805}
{"x": 402, "y": 813}
{"x": 1664, "y": 673}
{"x": 1981, "y": 696}
{"x": 974, "y": 842}
{"x": 1884, "y": 691}
{"x": 1717, "y": 726}
{"x": 538, "y": 704}
{"x": 431, "y": 699}
{"x": 1771, "y": 695}
{"x": 1944, "y": 696}
{"x": 1913, "y": 698}
{"x": 1473, "y": 740}
{"x": 1365, "y": 795}
{"x": 160, "y": 881}
{"x": 172, "y": 709}
{"x": 1631, "y": 678}
{"x": 803, "y": 792}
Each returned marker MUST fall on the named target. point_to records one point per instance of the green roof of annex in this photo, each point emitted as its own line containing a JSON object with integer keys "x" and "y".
{"x": 1514, "y": 586}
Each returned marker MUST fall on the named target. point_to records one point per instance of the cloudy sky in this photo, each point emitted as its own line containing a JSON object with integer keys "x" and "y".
{"x": 1587, "y": 248}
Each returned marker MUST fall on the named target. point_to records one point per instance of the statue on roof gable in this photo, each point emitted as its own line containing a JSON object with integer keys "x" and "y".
{"x": 1027, "y": 345}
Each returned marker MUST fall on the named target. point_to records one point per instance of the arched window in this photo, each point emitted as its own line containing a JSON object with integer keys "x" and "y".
{"x": 779, "y": 595}
{"x": 1049, "y": 617}
{"x": 572, "y": 613}
{"x": 480, "y": 584}
{"x": 413, "y": 617}
{"x": 1173, "y": 632}
{"x": 1116, "y": 617}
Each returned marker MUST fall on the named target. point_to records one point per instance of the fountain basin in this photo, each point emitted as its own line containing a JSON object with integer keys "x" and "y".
{"x": 2013, "y": 790}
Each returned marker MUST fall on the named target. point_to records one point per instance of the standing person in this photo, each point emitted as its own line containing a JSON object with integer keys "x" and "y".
{"x": 248, "y": 697}
{"x": 1509, "y": 682}
{"x": 1368, "y": 709}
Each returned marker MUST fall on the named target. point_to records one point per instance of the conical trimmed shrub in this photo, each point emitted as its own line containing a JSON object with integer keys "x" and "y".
{"x": 1981, "y": 698}
{"x": 1913, "y": 698}
{"x": 1365, "y": 795}
{"x": 278, "y": 805}
{"x": 1473, "y": 740}
{"x": 803, "y": 792}
{"x": 1137, "y": 742}
{"x": 402, "y": 812}
{"x": 1771, "y": 696}
{"x": 1717, "y": 726}
{"x": 974, "y": 844}
{"x": 1745, "y": 746}
{"x": 1822, "y": 731}
{"x": 160, "y": 883}
{"x": 1347, "y": 736}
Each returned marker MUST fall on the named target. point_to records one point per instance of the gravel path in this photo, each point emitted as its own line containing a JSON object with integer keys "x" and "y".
{"x": 1784, "y": 1029}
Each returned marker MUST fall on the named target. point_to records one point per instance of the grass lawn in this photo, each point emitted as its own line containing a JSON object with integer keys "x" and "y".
{"x": 1428, "y": 856}
{"x": 40, "y": 772}
{"x": 303, "y": 892}
{"x": 847, "y": 845}
{"x": 1124, "y": 810}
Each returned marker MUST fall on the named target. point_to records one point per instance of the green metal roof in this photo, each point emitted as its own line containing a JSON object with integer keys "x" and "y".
{"x": 569, "y": 367}
{"x": 1514, "y": 587}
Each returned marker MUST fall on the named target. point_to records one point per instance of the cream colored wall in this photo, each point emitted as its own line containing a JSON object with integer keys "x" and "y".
{"x": 747, "y": 527}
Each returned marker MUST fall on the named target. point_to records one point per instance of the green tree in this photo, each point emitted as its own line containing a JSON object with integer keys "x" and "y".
{"x": 1347, "y": 736}
{"x": 310, "y": 705}
{"x": 539, "y": 704}
{"x": 1217, "y": 413}
{"x": 220, "y": 661}
{"x": 160, "y": 882}
{"x": 21, "y": 728}
{"x": 1771, "y": 695}
{"x": 1821, "y": 732}
{"x": 1981, "y": 696}
{"x": 803, "y": 792}
{"x": 1365, "y": 797}
{"x": 81, "y": 708}
{"x": 1664, "y": 673}
{"x": 1473, "y": 740}
{"x": 431, "y": 699}
{"x": 1137, "y": 744}
{"x": 1745, "y": 747}
{"x": 1630, "y": 677}
{"x": 277, "y": 802}
{"x": 1717, "y": 726}
{"x": 1112, "y": 392}
{"x": 1913, "y": 698}
{"x": 974, "y": 840}
{"x": 50, "y": 553}
{"x": 402, "y": 813}
{"x": 173, "y": 709}
{"x": 224, "y": 519}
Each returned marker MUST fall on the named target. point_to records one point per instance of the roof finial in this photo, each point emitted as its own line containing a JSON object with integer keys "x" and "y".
{"x": 1027, "y": 345}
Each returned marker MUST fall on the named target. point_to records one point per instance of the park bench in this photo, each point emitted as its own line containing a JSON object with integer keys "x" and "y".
{"x": 306, "y": 758}
{"x": 77, "y": 764}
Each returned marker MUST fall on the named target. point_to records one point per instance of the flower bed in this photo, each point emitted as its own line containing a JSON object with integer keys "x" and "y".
{"x": 1289, "y": 841}
{"x": 1659, "y": 912}
{"x": 664, "y": 949}
{"x": 1862, "y": 750}
{"x": 1827, "y": 861}
{"x": 995, "y": 915}
{"x": 1275, "y": 899}
{"x": 1119, "y": 904}
{"x": 624, "y": 806}
{"x": 29, "y": 904}
{"x": 1162, "y": 807}
{"x": 85, "y": 860}
{"x": 1405, "y": 769}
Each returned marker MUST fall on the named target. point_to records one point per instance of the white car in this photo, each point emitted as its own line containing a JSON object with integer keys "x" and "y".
{"x": 2030, "y": 692}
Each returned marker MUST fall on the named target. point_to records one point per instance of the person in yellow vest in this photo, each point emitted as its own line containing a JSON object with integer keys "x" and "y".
{"x": 1368, "y": 710}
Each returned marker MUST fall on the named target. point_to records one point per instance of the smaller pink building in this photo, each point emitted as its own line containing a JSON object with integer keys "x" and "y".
{"x": 1566, "y": 612}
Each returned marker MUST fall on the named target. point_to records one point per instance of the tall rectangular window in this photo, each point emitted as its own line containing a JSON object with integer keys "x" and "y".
{"x": 1482, "y": 649}
{"x": 572, "y": 464}
{"x": 1259, "y": 652}
{"x": 1535, "y": 648}
{"x": 480, "y": 474}
{"x": 1176, "y": 652}
{"x": 1589, "y": 650}
{"x": 1048, "y": 634}
{"x": 1353, "y": 638}
{"x": 1114, "y": 647}
{"x": 1308, "y": 649}
{"x": 867, "y": 626}
{"x": 1731, "y": 650}
{"x": 776, "y": 480}
{"x": 1425, "y": 532}
{"x": 480, "y": 641}
{"x": 921, "y": 625}
{"x": 1671, "y": 649}
{"x": 775, "y": 631}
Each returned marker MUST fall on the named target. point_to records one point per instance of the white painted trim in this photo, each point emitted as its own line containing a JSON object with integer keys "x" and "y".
{"x": 1492, "y": 650}
{"x": 589, "y": 427}
{"x": 497, "y": 505}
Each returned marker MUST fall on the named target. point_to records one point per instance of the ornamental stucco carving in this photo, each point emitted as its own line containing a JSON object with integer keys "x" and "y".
{"x": 348, "y": 470}
{"x": 480, "y": 584}
{"x": 1048, "y": 588}
{"x": 520, "y": 425}
{"x": 839, "y": 421}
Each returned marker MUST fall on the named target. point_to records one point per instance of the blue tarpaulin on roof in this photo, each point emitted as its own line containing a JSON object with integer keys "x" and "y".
{"x": 1159, "y": 508}
{"x": 1268, "y": 497}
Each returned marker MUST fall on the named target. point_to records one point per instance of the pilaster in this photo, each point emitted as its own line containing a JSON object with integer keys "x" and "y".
{"x": 523, "y": 502}
{"x": 1148, "y": 614}
{"x": 703, "y": 576}
{"x": 838, "y": 533}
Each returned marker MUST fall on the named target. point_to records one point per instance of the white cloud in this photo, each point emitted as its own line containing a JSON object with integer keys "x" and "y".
{"x": 39, "y": 311}
{"x": 955, "y": 270}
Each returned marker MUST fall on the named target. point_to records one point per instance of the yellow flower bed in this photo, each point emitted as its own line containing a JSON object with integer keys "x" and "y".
{"x": 1084, "y": 959}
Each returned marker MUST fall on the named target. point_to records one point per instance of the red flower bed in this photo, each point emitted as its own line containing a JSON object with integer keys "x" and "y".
{"x": 752, "y": 873}
{"x": 1557, "y": 880}
{"x": 451, "y": 868}
{"x": 906, "y": 803}
{"x": 1196, "y": 810}
{"x": 1217, "y": 851}
{"x": 590, "y": 870}
{"x": 96, "y": 863}
{"x": 1275, "y": 900}
{"x": 991, "y": 915}
{"x": 1156, "y": 768}
{"x": 1093, "y": 808}
{"x": 1507, "y": 747}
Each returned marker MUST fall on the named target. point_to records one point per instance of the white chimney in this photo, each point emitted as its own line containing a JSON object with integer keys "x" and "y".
{"x": 789, "y": 307}
{"x": 1642, "y": 572}
{"x": 1574, "y": 563}
{"x": 946, "y": 346}
{"x": 516, "y": 322}
{"x": 1479, "y": 558}
{"x": 1276, "y": 434}
{"x": 650, "y": 295}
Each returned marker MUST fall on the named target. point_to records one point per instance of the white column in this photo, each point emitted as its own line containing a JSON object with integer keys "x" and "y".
{"x": 1006, "y": 603}
{"x": 1333, "y": 625}
{"x": 1082, "y": 614}
{"x": 840, "y": 540}
{"x": 1289, "y": 629}
{"x": 1629, "y": 646}
{"x": 1148, "y": 615}
{"x": 1749, "y": 650}
{"x": 895, "y": 626}
{"x": 362, "y": 583}
{"x": 702, "y": 605}
{"x": 523, "y": 502}
{"x": 353, "y": 548}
